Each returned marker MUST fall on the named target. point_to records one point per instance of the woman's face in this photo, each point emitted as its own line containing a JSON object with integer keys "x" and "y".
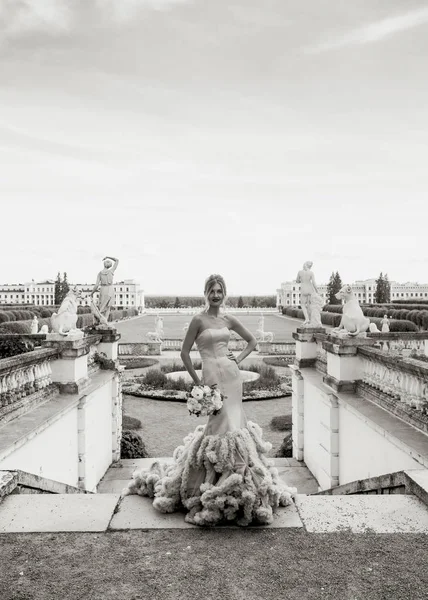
{"x": 215, "y": 295}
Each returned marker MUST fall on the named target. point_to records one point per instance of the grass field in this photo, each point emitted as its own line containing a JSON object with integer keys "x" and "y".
{"x": 136, "y": 330}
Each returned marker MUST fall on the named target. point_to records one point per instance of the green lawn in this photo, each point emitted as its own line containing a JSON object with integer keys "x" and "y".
{"x": 214, "y": 564}
{"x": 165, "y": 424}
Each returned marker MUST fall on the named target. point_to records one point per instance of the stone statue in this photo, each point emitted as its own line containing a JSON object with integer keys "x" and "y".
{"x": 44, "y": 329}
{"x": 385, "y": 324}
{"x": 317, "y": 303}
{"x": 104, "y": 283}
{"x": 157, "y": 335}
{"x": 34, "y": 325}
{"x": 353, "y": 321}
{"x": 261, "y": 334}
{"x": 308, "y": 287}
{"x": 65, "y": 320}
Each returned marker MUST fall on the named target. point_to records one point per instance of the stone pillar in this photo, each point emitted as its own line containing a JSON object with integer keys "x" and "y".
{"x": 344, "y": 366}
{"x": 109, "y": 342}
{"x": 328, "y": 476}
{"x": 306, "y": 346}
{"x": 70, "y": 369}
{"x": 81, "y": 442}
{"x": 297, "y": 413}
{"x": 116, "y": 431}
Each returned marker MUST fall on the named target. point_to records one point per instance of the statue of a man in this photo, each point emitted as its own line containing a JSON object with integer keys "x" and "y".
{"x": 307, "y": 287}
{"x": 105, "y": 284}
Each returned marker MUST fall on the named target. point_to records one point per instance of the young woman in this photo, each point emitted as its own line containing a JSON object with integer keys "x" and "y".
{"x": 221, "y": 472}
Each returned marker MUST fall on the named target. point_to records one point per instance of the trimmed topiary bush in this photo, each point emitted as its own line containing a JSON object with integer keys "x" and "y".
{"x": 130, "y": 423}
{"x": 286, "y": 448}
{"x": 281, "y": 423}
{"x": 132, "y": 446}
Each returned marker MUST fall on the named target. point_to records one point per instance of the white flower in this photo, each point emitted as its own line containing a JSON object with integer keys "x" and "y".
{"x": 197, "y": 393}
{"x": 193, "y": 404}
{"x": 207, "y": 390}
{"x": 217, "y": 403}
{"x": 217, "y": 394}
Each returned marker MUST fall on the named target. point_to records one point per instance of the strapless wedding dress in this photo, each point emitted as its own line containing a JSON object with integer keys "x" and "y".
{"x": 221, "y": 473}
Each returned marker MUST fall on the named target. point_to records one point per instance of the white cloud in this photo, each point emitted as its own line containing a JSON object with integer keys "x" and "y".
{"x": 374, "y": 32}
{"x": 19, "y": 18}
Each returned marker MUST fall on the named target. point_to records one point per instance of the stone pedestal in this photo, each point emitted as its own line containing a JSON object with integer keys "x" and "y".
{"x": 297, "y": 412}
{"x": 306, "y": 346}
{"x": 70, "y": 369}
{"x": 109, "y": 343}
{"x": 329, "y": 442}
{"x": 344, "y": 366}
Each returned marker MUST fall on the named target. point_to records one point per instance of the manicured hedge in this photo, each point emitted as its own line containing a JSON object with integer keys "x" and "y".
{"x": 22, "y": 326}
{"x": 416, "y": 316}
{"x": 16, "y": 325}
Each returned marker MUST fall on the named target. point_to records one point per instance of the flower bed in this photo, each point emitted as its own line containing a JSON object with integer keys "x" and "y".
{"x": 155, "y": 384}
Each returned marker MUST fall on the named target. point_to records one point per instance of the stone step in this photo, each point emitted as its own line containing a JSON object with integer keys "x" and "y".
{"x": 293, "y": 472}
{"x": 29, "y": 513}
{"x": 380, "y": 513}
{"x": 103, "y": 512}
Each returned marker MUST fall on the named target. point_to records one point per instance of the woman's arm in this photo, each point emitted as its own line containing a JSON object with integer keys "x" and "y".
{"x": 237, "y": 326}
{"x": 188, "y": 342}
{"x": 115, "y": 260}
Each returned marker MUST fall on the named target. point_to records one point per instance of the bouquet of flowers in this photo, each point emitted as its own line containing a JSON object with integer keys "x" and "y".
{"x": 204, "y": 400}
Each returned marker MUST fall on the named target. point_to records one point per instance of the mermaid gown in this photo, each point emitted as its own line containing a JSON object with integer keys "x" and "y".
{"x": 221, "y": 473}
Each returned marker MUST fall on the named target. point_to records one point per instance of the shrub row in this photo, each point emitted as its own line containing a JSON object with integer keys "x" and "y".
{"x": 7, "y": 316}
{"x": 418, "y": 317}
{"x": 83, "y": 320}
{"x": 333, "y": 319}
{"x": 22, "y": 326}
{"x": 296, "y": 313}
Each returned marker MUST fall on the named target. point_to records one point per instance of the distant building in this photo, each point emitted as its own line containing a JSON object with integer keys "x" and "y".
{"x": 127, "y": 293}
{"x": 289, "y": 292}
{"x": 39, "y": 294}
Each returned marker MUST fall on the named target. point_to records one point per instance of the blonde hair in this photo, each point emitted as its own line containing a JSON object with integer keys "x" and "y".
{"x": 209, "y": 284}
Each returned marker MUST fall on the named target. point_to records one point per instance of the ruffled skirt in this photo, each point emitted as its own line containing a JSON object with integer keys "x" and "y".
{"x": 217, "y": 479}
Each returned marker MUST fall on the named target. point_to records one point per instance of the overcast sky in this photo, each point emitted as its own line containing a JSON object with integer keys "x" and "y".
{"x": 235, "y": 136}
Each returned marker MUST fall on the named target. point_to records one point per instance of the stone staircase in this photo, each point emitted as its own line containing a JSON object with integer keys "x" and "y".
{"x": 360, "y": 507}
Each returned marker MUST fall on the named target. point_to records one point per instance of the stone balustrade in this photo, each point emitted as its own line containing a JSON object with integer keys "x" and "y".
{"x": 398, "y": 384}
{"x": 402, "y": 343}
{"x": 25, "y": 378}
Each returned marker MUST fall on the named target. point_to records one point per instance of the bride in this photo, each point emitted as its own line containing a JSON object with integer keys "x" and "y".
{"x": 221, "y": 473}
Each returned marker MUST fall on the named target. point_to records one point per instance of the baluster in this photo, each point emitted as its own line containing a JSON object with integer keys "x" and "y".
{"x": 20, "y": 392}
{"x": 406, "y": 391}
{"x": 30, "y": 380}
{"x": 44, "y": 374}
{"x": 48, "y": 372}
{"x": 3, "y": 391}
{"x": 37, "y": 382}
{"x": 12, "y": 388}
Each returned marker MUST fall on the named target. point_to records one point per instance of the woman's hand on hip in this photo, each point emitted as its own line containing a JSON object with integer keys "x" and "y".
{"x": 231, "y": 356}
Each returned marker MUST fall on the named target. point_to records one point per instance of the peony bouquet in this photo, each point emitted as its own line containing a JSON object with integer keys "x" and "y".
{"x": 204, "y": 400}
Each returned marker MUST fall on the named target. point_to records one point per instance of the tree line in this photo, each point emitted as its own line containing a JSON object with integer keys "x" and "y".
{"x": 197, "y": 301}
{"x": 382, "y": 292}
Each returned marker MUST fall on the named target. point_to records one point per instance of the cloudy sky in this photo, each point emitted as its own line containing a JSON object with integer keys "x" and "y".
{"x": 233, "y": 136}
